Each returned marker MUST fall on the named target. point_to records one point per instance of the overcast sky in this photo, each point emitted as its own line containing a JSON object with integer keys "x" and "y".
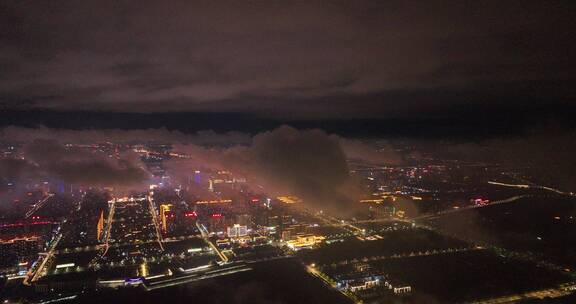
{"x": 303, "y": 59}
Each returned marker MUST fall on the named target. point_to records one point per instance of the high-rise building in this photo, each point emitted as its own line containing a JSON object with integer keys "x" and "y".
{"x": 237, "y": 231}
{"x": 164, "y": 213}
{"x": 100, "y": 226}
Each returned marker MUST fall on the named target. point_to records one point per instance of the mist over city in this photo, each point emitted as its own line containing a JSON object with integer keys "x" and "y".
{"x": 287, "y": 152}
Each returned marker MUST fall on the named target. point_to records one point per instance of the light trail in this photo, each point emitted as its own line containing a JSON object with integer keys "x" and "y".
{"x": 525, "y": 186}
{"x": 39, "y": 205}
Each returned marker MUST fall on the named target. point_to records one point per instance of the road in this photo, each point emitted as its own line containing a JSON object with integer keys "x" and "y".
{"x": 332, "y": 221}
{"x": 32, "y": 275}
{"x": 450, "y": 211}
{"x": 196, "y": 276}
{"x": 554, "y": 292}
{"x": 108, "y": 227}
{"x": 155, "y": 220}
{"x": 205, "y": 235}
{"x": 38, "y": 205}
{"x": 533, "y": 186}
{"x": 312, "y": 270}
{"x": 415, "y": 254}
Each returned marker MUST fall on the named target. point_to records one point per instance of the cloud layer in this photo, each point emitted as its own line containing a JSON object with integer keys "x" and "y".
{"x": 311, "y": 164}
{"x": 50, "y": 159}
{"x": 308, "y": 58}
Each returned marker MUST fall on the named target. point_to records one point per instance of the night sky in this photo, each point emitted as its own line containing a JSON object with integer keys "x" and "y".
{"x": 456, "y": 68}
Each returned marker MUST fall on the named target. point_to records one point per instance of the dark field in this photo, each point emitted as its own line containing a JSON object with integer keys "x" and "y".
{"x": 280, "y": 281}
{"x": 396, "y": 242}
{"x": 544, "y": 226}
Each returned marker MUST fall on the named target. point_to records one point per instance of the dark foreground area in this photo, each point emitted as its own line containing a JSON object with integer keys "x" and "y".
{"x": 280, "y": 281}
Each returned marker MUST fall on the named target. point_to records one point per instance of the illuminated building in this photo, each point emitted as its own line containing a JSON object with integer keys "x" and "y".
{"x": 237, "y": 231}
{"x": 404, "y": 289}
{"x": 480, "y": 202}
{"x": 304, "y": 241}
{"x": 223, "y": 243}
{"x": 143, "y": 270}
{"x": 219, "y": 201}
{"x": 291, "y": 231}
{"x": 398, "y": 289}
{"x": 190, "y": 214}
{"x": 100, "y": 226}
{"x": 287, "y": 235}
{"x": 289, "y": 199}
{"x": 363, "y": 284}
{"x": 164, "y": 212}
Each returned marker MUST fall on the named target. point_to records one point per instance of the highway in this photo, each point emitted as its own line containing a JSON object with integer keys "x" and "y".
{"x": 415, "y": 254}
{"x": 196, "y": 276}
{"x": 534, "y": 186}
{"x": 38, "y": 205}
{"x": 554, "y": 292}
{"x": 450, "y": 211}
{"x": 35, "y": 275}
{"x": 204, "y": 233}
{"x": 108, "y": 227}
{"x": 155, "y": 221}
{"x": 332, "y": 221}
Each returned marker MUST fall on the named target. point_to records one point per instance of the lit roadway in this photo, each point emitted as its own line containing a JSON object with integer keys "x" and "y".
{"x": 47, "y": 257}
{"x": 555, "y": 292}
{"x": 525, "y": 186}
{"x": 38, "y": 205}
{"x": 108, "y": 227}
{"x": 204, "y": 233}
{"x": 312, "y": 270}
{"x": 332, "y": 221}
{"x": 155, "y": 221}
{"x": 416, "y": 254}
{"x": 504, "y": 201}
{"x": 196, "y": 276}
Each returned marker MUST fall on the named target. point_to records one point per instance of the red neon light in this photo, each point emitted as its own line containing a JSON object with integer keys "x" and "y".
{"x": 255, "y": 200}
{"x": 217, "y": 215}
{"x": 190, "y": 214}
{"x": 22, "y": 224}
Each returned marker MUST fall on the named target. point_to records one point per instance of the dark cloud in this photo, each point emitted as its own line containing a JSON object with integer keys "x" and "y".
{"x": 12, "y": 169}
{"x": 310, "y": 164}
{"x": 279, "y": 58}
{"x": 206, "y": 137}
{"x": 53, "y": 160}
{"x": 359, "y": 150}
{"x": 546, "y": 153}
